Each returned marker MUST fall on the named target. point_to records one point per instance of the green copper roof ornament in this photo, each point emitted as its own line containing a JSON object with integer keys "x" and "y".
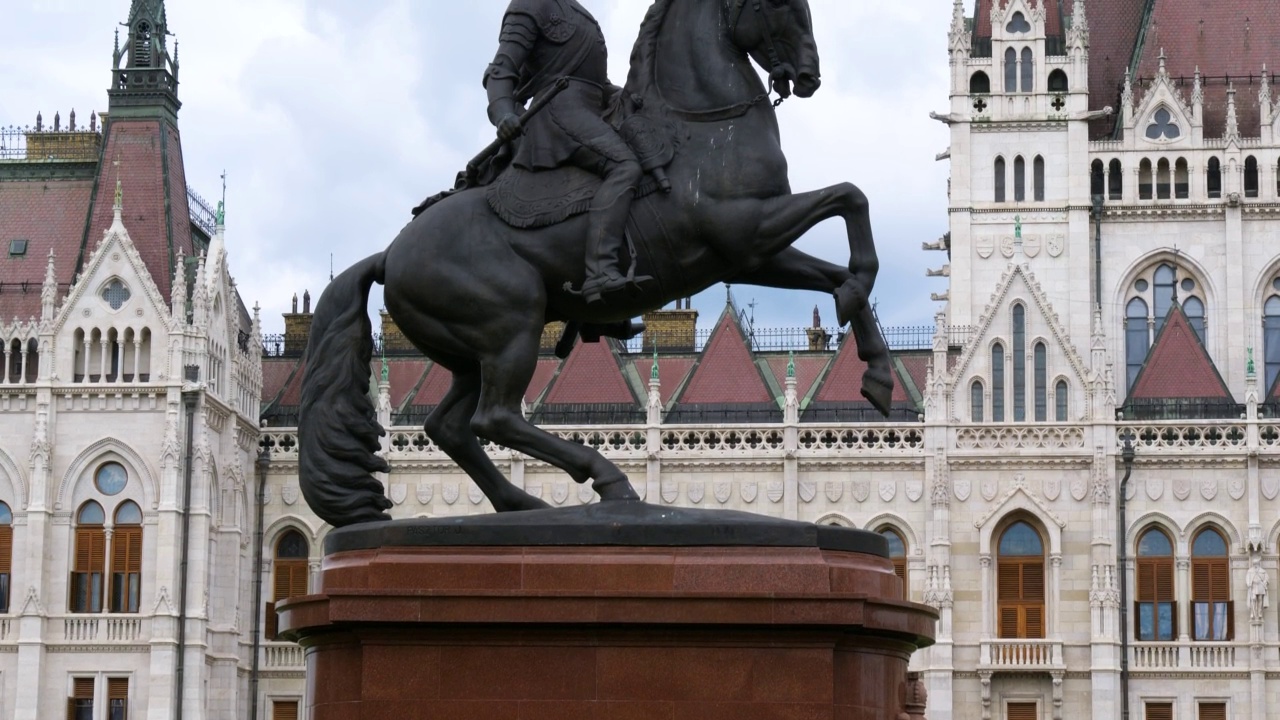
{"x": 1251, "y": 368}
{"x": 653, "y": 373}
{"x": 222, "y": 212}
{"x": 791, "y": 365}
{"x": 1017, "y": 226}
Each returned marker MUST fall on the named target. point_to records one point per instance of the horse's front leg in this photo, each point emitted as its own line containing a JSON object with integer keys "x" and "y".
{"x": 783, "y": 220}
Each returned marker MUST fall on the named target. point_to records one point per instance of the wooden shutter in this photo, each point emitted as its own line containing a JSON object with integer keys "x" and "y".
{"x": 1021, "y": 711}
{"x": 284, "y": 710}
{"x": 118, "y": 696}
{"x": 269, "y": 617}
{"x": 1033, "y": 581}
{"x": 91, "y": 549}
{"x": 290, "y": 579}
{"x": 82, "y": 688}
{"x": 1033, "y": 627}
{"x": 6, "y": 549}
{"x": 126, "y": 550}
{"x": 1213, "y": 711}
{"x": 1164, "y": 581}
{"x": 1009, "y": 623}
{"x": 1159, "y": 711}
{"x": 1009, "y": 582}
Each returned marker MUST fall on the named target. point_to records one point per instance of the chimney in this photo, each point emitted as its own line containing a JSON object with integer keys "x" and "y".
{"x": 670, "y": 330}
{"x": 393, "y": 341}
{"x": 819, "y": 338}
{"x": 297, "y": 326}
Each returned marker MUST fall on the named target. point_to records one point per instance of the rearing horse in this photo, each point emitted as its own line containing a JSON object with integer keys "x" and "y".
{"x": 474, "y": 294}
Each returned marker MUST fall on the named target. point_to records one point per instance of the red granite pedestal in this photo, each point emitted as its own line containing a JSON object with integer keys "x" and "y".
{"x": 616, "y": 633}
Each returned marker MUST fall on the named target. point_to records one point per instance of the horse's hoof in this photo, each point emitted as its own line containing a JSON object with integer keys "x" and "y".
{"x": 850, "y": 300}
{"x": 618, "y": 489}
{"x": 877, "y": 388}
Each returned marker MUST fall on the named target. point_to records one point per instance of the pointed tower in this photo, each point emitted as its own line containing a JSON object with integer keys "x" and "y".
{"x": 142, "y": 149}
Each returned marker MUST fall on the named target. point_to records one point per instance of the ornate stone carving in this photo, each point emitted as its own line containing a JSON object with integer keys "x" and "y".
{"x": 1181, "y": 488}
{"x": 585, "y": 494}
{"x": 670, "y": 491}
{"x": 289, "y": 493}
{"x": 1208, "y": 488}
{"x": 1155, "y": 487}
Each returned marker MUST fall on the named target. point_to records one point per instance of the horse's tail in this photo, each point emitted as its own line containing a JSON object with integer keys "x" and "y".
{"x": 338, "y": 430}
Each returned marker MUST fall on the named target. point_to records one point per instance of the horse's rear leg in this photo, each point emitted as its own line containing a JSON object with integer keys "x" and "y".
{"x": 449, "y": 425}
{"x": 783, "y": 221}
{"x": 506, "y": 374}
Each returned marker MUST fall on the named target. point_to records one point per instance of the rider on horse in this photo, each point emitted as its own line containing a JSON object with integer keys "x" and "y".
{"x": 541, "y": 42}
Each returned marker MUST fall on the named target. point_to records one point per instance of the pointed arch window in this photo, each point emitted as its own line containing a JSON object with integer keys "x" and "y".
{"x": 1212, "y": 614}
{"x": 126, "y": 559}
{"x": 1271, "y": 335}
{"x": 6, "y": 555}
{"x": 1115, "y": 181}
{"x": 1041, "y": 381}
{"x": 979, "y": 84}
{"x": 1010, "y": 70}
{"x": 1097, "y": 178}
{"x": 1061, "y": 401}
{"x": 1251, "y": 183}
{"x": 1156, "y": 607}
{"x": 1037, "y": 179}
{"x": 1020, "y": 581}
{"x": 1019, "y": 363}
{"x": 1058, "y": 82}
{"x": 1028, "y": 70}
{"x": 1144, "y": 179}
{"x": 291, "y": 569}
{"x": 897, "y": 554}
{"x": 997, "y": 383}
{"x": 1181, "y": 180}
{"x": 1150, "y": 299}
{"x": 1213, "y": 178}
{"x": 1164, "y": 289}
{"x": 1019, "y": 179}
{"x": 89, "y": 560}
{"x": 975, "y": 397}
{"x": 1163, "y": 180}
{"x": 1195, "y": 315}
{"x": 1000, "y": 179}
{"x": 1136, "y": 343}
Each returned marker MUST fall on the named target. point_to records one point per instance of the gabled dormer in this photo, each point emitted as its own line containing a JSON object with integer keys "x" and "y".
{"x": 1163, "y": 119}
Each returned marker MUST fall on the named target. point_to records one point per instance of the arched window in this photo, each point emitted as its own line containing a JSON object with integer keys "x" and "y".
{"x": 1213, "y": 178}
{"x": 1164, "y": 290}
{"x": 126, "y": 559}
{"x": 979, "y": 84}
{"x": 1136, "y": 342}
{"x": 1155, "y": 609}
{"x": 1097, "y": 178}
{"x": 1251, "y": 177}
{"x": 997, "y": 383}
{"x": 1211, "y": 608}
{"x": 1000, "y": 179}
{"x": 1058, "y": 82}
{"x": 897, "y": 554}
{"x": 6, "y": 556}
{"x": 1271, "y": 335}
{"x": 1010, "y": 70}
{"x": 90, "y": 559}
{"x": 975, "y": 397}
{"x": 1020, "y": 582}
{"x": 1061, "y": 399}
{"x": 1115, "y": 181}
{"x": 1195, "y": 315}
{"x": 1041, "y": 381}
{"x": 1028, "y": 71}
{"x": 1163, "y": 180}
{"x": 1019, "y": 179}
{"x": 1037, "y": 179}
{"x": 291, "y": 569}
{"x": 1181, "y": 180}
{"x": 1144, "y": 180}
{"x": 1019, "y": 363}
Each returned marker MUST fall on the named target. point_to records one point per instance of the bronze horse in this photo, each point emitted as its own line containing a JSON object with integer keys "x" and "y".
{"x": 474, "y": 294}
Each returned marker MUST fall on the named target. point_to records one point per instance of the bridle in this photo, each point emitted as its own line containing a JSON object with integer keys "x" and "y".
{"x": 771, "y": 44}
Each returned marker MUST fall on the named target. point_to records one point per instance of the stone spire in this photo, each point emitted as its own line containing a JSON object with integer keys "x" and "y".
{"x": 1264, "y": 98}
{"x": 960, "y": 40}
{"x": 178, "y": 294}
{"x": 1233, "y": 119}
{"x": 145, "y": 48}
{"x": 49, "y": 290}
{"x": 1126, "y": 96}
{"x": 1078, "y": 36}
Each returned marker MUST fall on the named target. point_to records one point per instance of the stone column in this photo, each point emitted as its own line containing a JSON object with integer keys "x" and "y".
{"x": 1182, "y": 583}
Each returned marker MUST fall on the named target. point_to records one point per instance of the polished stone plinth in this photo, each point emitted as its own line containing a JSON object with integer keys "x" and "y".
{"x": 483, "y": 629}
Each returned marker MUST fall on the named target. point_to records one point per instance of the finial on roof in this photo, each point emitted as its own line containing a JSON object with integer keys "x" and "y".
{"x": 1264, "y": 94}
{"x": 386, "y": 369}
{"x": 1164, "y": 70}
{"x": 791, "y": 365}
{"x": 39, "y": 121}
{"x": 1250, "y": 368}
{"x": 653, "y": 372}
{"x": 295, "y": 303}
{"x": 817, "y": 317}
{"x": 306, "y": 302}
{"x": 1197, "y": 89}
{"x": 1126, "y": 96}
{"x": 220, "y": 218}
{"x": 1233, "y": 121}
{"x": 71, "y": 127}
{"x": 57, "y": 121}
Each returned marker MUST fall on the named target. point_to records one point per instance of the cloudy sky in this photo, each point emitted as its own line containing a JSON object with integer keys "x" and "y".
{"x": 332, "y": 118}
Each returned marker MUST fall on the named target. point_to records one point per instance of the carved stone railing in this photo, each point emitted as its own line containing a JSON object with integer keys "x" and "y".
{"x": 1183, "y": 655}
{"x": 1205, "y": 436}
{"x": 124, "y": 629}
{"x": 1020, "y": 655}
{"x": 80, "y": 629}
{"x": 118, "y": 629}
{"x": 819, "y": 438}
{"x": 1020, "y": 437}
{"x": 283, "y": 656}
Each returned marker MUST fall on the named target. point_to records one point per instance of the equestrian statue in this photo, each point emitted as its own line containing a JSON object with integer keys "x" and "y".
{"x": 594, "y": 205}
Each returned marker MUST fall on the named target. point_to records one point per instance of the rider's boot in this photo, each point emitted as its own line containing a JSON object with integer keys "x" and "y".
{"x": 605, "y": 235}
{"x": 592, "y": 332}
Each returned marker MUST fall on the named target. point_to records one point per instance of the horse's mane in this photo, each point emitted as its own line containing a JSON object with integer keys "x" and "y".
{"x": 642, "y": 55}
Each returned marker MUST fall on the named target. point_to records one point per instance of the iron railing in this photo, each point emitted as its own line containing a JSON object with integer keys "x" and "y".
{"x": 202, "y": 213}
{"x": 1182, "y": 409}
{"x": 41, "y": 144}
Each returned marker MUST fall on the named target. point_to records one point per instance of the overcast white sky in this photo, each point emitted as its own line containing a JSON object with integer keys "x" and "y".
{"x": 333, "y": 117}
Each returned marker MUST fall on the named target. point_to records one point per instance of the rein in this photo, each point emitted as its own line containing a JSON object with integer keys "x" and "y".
{"x": 736, "y": 110}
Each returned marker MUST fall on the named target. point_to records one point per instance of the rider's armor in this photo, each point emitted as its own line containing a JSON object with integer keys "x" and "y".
{"x": 542, "y": 41}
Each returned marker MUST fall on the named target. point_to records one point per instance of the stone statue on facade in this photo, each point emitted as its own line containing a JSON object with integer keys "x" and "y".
{"x": 1257, "y": 583}
{"x": 678, "y": 177}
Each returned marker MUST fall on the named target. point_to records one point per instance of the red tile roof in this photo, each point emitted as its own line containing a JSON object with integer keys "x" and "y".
{"x": 404, "y": 376}
{"x": 431, "y": 391}
{"x": 726, "y": 374}
{"x": 542, "y": 375}
{"x": 155, "y": 212}
{"x": 591, "y": 375}
{"x": 917, "y": 366}
{"x": 276, "y": 373}
{"x": 1227, "y": 38}
{"x": 50, "y": 216}
{"x": 672, "y": 371}
{"x": 808, "y": 369}
{"x": 1178, "y": 367}
{"x": 843, "y": 383}
{"x": 292, "y": 394}
{"x": 1052, "y": 17}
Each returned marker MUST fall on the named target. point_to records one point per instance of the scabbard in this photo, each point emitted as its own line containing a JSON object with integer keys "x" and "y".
{"x": 535, "y": 107}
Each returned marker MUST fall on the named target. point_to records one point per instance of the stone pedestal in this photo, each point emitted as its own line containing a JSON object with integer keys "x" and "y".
{"x": 699, "y": 632}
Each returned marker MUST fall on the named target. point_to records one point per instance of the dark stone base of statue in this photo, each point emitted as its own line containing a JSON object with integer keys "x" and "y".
{"x": 622, "y": 610}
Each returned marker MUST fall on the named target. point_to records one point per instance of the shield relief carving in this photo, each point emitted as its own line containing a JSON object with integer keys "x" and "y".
{"x": 888, "y": 490}
{"x": 748, "y": 491}
{"x": 774, "y": 490}
{"x": 807, "y": 490}
{"x": 835, "y": 490}
{"x": 1052, "y": 487}
{"x": 723, "y": 491}
{"x": 670, "y": 491}
{"x": 915, "y": 490}
{"x": 861, "y": 490}
{"x": 560, "y": 491}
{"x": 424, "y": 493}
{"x": 963, "y": 488}
{"x": 475, "y": 494}
{"x": 289, "y": 493}
{"x": 697, "y": 491}
{"x": 398, "y": 493}
{"x": 449, "y": 492}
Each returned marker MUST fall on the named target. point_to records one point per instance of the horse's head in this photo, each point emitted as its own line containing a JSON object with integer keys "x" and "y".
{"x": 778, "y": 35}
